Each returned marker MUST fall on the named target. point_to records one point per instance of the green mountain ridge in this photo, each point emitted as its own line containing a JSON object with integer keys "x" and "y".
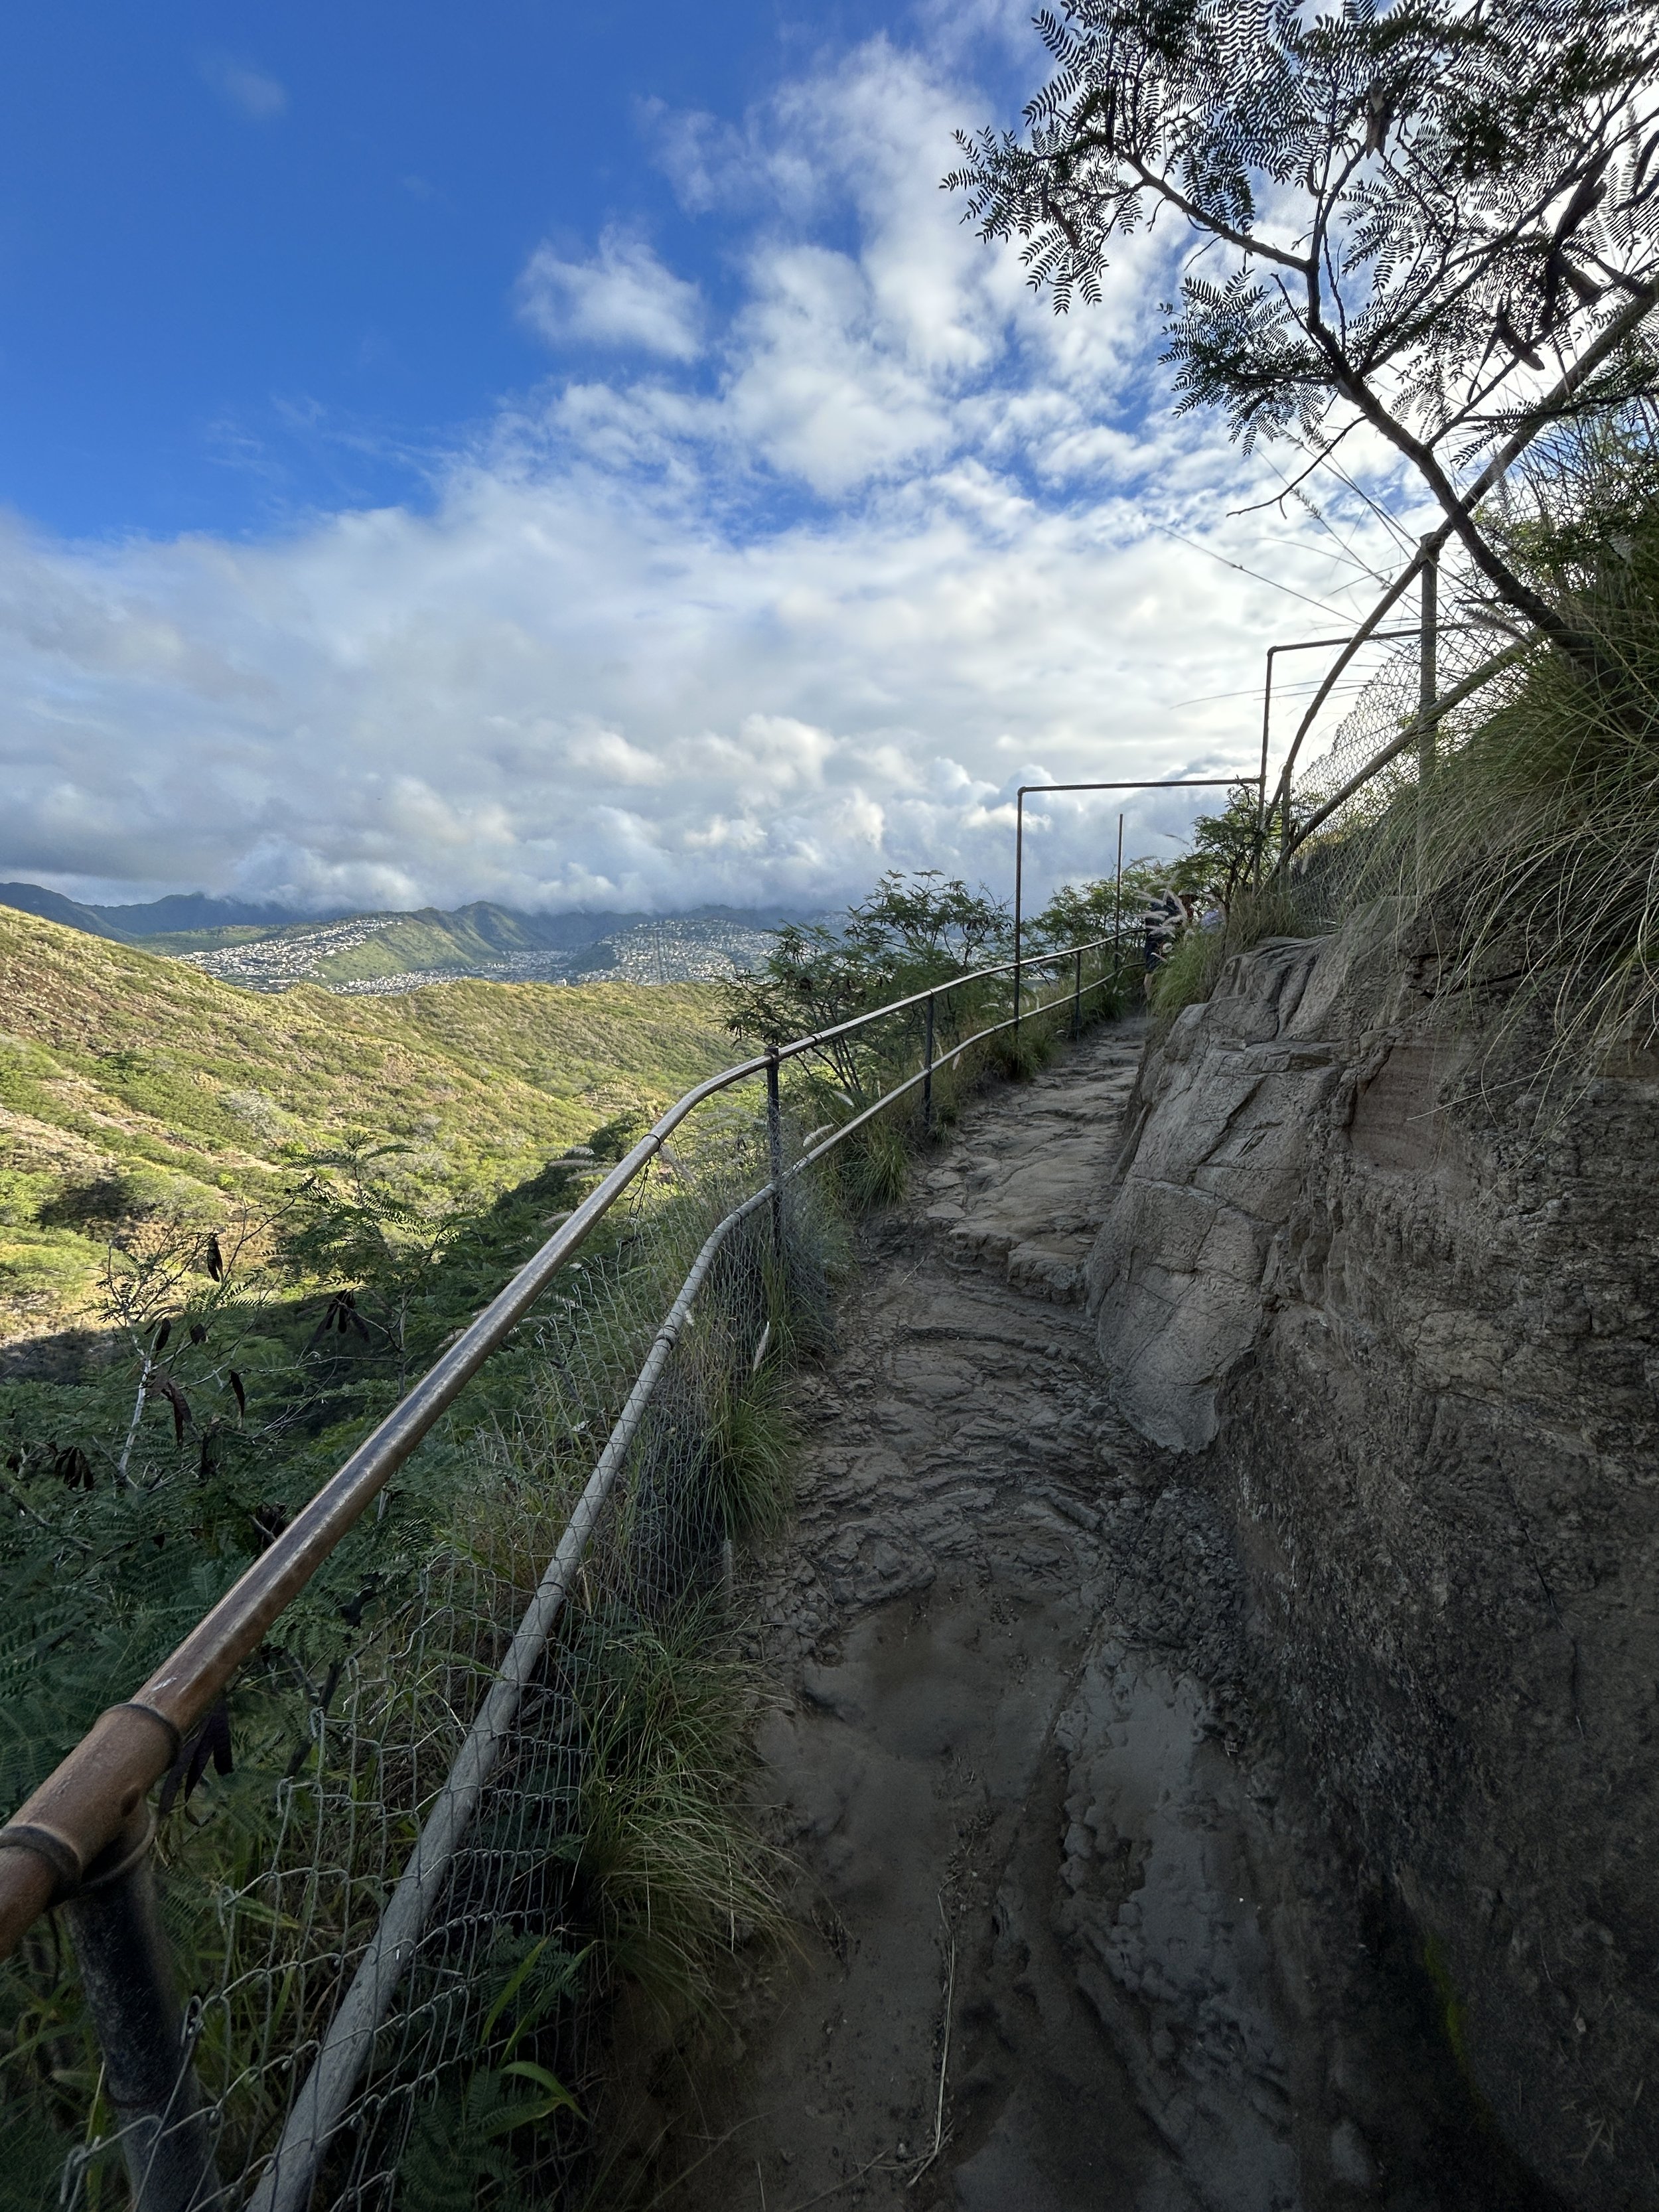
{"x": 138, "y": 1077}
{"x": 265, "y": 949}
{"x": 185, "y": 911}
{"x": 480, "y": 932}
{"x": 480, "y": 928}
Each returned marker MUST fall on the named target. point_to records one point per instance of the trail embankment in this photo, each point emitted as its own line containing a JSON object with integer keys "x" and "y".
{"x": 1074, "y": 1937}
{"x": 1402, "y": 1331}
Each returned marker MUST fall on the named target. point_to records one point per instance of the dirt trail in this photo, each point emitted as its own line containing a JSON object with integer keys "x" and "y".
{"x": 1013, "y": 1760}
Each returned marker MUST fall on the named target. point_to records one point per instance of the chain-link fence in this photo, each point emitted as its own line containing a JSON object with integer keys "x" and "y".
{"x": 1378, "y": 749}
{"x": 516, "y": 1790}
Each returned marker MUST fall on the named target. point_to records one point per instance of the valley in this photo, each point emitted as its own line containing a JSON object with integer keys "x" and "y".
{"x": 133, "y": 1083}
{"x": 385, "y": 953}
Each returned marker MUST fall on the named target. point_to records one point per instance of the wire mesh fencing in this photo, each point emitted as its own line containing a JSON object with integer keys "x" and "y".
{"x": 1376, "y": 752}
{"x": 487, "y": 2031}
{"x": 515, "y": 1786}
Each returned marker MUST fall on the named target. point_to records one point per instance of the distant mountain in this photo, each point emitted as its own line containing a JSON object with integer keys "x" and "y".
{"x": 511, "y": 931}
{"x": 53, "y": 906}
{"x": 129, "y": 925}
{"x": 269, "y": 948}
{"x": 193, "y": 910}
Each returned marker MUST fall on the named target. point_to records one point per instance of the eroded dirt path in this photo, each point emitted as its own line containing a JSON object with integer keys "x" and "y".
{"x": 1013, "y": 1760}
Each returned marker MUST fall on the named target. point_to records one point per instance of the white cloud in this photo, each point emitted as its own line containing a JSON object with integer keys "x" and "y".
{"x": 623, "y": 297}
{"x": 818, "y": 391}
{"x": 251, "y": 92}
{"x": 749, "y": 624}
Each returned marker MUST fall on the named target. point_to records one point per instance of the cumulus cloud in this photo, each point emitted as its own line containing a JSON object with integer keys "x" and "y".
{"x": 250, "y": 91}
{"x": 805, "y": 596}
{"x": 623, "y": 297}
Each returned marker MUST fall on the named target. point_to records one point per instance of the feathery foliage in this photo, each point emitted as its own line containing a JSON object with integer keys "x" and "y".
{"x": 907, "y": 935}
{"x": 1412, "y": 217}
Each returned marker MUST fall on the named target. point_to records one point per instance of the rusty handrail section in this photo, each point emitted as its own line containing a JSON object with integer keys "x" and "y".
{"x": 70, "y": 1831}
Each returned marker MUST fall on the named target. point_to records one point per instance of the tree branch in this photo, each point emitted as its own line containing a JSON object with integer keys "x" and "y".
{"x": 1550, "y": 408}
{"x": 1519, "y": 593}
{"x": 1156, "y": 182}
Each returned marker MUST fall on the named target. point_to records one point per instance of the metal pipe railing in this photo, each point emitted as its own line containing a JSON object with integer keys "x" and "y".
{"x": 52, "y": 1845}
{"x": 287, "y": 2183}
{"x": 1167, "y": 783}
{"x": 1413, "y": 734}
{"x": 1548, "y": 409}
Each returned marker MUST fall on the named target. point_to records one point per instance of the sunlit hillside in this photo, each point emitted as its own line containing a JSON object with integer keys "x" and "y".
{"x": 129, "y": 1081}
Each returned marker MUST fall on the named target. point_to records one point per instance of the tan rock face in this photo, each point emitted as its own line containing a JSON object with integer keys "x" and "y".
{"x": 1412, "y": 1350}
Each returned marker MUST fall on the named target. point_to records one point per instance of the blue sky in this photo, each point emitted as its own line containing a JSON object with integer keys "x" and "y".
{"x": 255, "y": 259}
{"x": 579, "y": 458}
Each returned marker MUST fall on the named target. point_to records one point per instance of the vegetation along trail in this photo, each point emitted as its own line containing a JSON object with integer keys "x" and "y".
{"x": 1070, "y": 1938}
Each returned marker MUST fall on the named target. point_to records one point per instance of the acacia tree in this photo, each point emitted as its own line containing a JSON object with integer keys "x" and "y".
{"x": 1437, "y": 218}
{"x": 909, "y": 934}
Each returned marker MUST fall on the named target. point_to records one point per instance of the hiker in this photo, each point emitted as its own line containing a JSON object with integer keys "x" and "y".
{"x": 1165, "y": 917}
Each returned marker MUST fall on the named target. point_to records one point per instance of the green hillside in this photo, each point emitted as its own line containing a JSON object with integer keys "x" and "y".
{"x": 472, "y": 938}
{"x": 129, "y": 1080}
{"x": 398, "y": 944}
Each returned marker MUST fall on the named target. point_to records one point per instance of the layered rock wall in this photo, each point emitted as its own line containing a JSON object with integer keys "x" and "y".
{"x": 1412, "y": 1350}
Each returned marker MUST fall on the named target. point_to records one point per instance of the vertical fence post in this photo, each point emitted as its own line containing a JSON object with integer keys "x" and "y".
{"x": 927, "y": 1073}
{"x": 1077, "y": 998}
{"x": 126, "y": 1977}
{"x": 1117, "y": 910}
{"x": 1019, "y": 885}
{"x": 775, "y": 1146}
{"x": 1428, "y": 677}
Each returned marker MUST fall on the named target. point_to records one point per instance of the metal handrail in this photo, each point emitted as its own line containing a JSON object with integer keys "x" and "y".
{"x": 287, "y": 2183}
{"x": 79, "y": 1820}
{"x": 1413, "y": 730}
{"x": 316, "y": 2114}
{"x": 1547, "y": 410}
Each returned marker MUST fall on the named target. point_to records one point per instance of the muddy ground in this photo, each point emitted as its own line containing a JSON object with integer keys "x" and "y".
{"x": 1071, "y": 1937}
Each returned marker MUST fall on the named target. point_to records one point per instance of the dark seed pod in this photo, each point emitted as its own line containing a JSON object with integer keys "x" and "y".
{"x": 163, "y": 1386}
{"x": 209, "y": 1741}
{"x": 73, "y": 1468}
{"x": 240, "y": 1393}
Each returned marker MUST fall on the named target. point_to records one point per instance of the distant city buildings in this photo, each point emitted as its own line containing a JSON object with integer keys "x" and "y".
{"x": 676, "y": 950}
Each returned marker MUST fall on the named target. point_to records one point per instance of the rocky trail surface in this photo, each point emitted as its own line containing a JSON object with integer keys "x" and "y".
{"x": 1071, "y": 1938}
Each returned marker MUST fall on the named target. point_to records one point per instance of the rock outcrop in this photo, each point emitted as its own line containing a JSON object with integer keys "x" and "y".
{"x": 1070, "y": 1936}
{"x": 1411, "y": 1350}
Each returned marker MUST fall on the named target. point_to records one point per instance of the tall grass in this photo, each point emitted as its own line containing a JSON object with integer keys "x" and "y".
{"x": 1522, "y": 870}
{"x": 674, "y": 1877}
{"x": 1527, "y": 864}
